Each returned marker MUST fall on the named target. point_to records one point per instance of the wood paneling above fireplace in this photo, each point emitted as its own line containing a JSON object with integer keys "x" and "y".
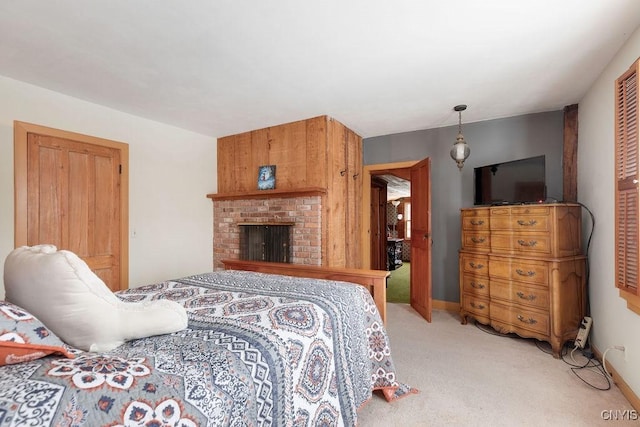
{"x": 317, "y": 160}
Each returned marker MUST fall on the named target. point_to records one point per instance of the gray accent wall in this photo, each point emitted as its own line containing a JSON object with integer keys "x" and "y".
{"x": 491, "y": 141}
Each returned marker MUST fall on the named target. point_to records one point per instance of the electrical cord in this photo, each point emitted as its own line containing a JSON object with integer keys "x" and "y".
{"x": 577, "y": 364}
{"x": 587, "y": 272}
{"x": 597, "y": 368}
{"x": 593, "y": 221}
{"x": 591, "y": 364}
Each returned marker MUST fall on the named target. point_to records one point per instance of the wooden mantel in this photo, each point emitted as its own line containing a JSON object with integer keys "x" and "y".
{"x": 262, "y": 194}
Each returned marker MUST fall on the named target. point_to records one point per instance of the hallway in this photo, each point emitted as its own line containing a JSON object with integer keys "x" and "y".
{"x": 398, "y": 284}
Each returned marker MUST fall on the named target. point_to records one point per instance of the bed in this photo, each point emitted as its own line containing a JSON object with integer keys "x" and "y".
{"x": 259, "y": 349}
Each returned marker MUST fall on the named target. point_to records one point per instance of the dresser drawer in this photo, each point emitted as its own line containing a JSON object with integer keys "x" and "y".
{"x": 475, "y": 219}
{"x": 475, "y": 212}
{"x": 538, "y": 244}
{"x": 522, "y": 270}
{"x": 475, "y": 285}
{"x": 516, "y": 293}
{"x": 476, "y": 241}
{"x": 520, "y": 223}
{"x": 535, "y": 210}
{"x": 520, "y": 318}
{"x": 478, "y": 307}
{"x": 473, "y": 263}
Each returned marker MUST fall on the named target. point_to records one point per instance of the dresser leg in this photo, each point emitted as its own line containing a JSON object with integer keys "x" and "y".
{"x": 556, "y": 348}
{"x": 463, "y": 318}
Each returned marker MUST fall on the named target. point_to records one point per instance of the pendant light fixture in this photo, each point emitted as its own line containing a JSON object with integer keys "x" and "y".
{"x": 460, "y": 150}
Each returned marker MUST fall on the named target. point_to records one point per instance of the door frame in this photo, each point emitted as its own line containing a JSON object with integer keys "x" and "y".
{"x": 368, "y": 171}
{"x": 21, "y": 130}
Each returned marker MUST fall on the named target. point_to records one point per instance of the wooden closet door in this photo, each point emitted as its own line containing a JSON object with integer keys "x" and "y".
{"x": 73, "y": 201}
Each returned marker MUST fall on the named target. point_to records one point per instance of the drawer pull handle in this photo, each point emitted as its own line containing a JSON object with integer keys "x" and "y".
{"x": 476, "y": 266}
{"x": 529, "y": 223}
{"x": 478, "y": 239}
{"x": 525, "y": 273}
{"x": 478, "y": 306}
{"x": 528, "y": 321}
{"x": 529, "y": 244}
{"x": 529, "y": 297}
{"x": 478, "y": 222}
{"x": 475, "y": 285}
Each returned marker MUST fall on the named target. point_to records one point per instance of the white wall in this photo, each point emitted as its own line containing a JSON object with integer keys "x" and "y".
{"x": 613, "y": 323}
{"x": 171, "y": 172}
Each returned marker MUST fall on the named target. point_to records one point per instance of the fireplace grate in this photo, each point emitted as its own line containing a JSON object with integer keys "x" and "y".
{"x": 265, "y": 242}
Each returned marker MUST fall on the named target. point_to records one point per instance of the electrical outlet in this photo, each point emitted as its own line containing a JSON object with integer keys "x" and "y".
{"x": 583, "y": 332}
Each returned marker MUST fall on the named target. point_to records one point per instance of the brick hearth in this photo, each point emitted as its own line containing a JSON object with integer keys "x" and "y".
{"x": 304, "y": 212}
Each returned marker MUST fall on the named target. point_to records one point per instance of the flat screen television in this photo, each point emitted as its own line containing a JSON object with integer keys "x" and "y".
{"x": 517, "y": 181}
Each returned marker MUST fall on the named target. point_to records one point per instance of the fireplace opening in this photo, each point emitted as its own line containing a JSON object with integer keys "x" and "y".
{"x": 265, "y": 242}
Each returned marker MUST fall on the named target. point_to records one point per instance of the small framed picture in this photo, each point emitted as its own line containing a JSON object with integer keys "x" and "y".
{"x": 267, "y": 177}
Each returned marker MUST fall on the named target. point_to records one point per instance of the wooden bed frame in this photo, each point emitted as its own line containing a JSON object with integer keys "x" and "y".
{"x": 374, "y": 280}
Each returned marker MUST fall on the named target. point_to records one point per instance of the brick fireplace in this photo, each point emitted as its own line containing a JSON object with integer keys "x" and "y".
{"x": 304, "y": 213}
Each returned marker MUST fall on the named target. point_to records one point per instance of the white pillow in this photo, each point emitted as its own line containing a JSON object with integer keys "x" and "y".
{"x": 59, "y": 289}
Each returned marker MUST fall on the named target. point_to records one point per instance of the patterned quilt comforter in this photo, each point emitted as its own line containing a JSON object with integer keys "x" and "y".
{"x": 259, "y": 350}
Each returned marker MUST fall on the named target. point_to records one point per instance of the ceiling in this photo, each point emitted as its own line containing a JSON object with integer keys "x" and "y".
{"x": 378, "y": 66}
{"x": 397, "y": 188}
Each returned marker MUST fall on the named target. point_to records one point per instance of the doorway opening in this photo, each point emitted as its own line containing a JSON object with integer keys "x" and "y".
{"x": 398, "y": 240}
{"x": 418, "y": 174}
{"x": 399, "y": 284}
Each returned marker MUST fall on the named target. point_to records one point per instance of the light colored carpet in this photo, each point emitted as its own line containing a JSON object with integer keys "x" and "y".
{"x": 467, "y": 377}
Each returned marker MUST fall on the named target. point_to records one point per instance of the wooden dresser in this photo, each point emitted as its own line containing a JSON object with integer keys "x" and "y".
{"x": 522, "y": 270}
